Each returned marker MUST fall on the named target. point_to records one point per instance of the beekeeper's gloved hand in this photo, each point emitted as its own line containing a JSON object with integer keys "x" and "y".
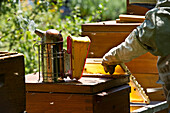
{"x": 109, "y": 68}
{"x": 125, "y": 52}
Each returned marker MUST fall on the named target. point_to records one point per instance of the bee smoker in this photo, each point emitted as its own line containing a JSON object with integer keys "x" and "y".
{"x": 51, "y": 57}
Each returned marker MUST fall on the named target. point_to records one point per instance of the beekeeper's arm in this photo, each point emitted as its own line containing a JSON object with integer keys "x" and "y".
{"x": 125, "y": 52}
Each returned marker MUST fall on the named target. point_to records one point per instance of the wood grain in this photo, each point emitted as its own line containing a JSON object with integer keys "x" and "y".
{"x": 113, "y": 101}
{"x": 88, "y": 84}
{"x": 102, "y": 42}
{"x": 131, "y": 18}
{"x": 143, "y": 64}
{"x": 59, "y": 103}
{"x": 107, "y": 101}
{"x": 109, "y": 26}
{"x": 136, "y": 10}
{"x": 157, "y": 96}
{"x": 149, "y": 81}
{"x": 12, "y": 87}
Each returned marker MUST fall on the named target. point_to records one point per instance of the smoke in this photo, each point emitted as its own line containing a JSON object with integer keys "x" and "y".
{"x": 25, "y": 23}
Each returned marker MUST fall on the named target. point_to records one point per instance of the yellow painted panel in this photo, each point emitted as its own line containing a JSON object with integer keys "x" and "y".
{"x": 135, "y": 96}
{"x": 80, "y": 47}
{"x": 98, "y": 69}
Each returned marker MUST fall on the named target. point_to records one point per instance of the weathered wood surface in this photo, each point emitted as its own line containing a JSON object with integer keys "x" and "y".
{"x": 109, "y": 26}
{"x": 102, "y": 42}
{"x": 148, "y": 81}
{"x": 103, "y": 39}
{"x": 108, "y": 101}
{"x": 113, "y": 101}
{"x": 131, "y": 18}
{"x": 12, "y": 87}
{"x": 143, "y": 68}
{"x": 153, "y": 107}
{"x": 88, "y": 84}
{"x": 59, "y": 103}
{"x": 106, "y": 35}
{"x": 136, "y": 10}
{"x": 145, "y": 64}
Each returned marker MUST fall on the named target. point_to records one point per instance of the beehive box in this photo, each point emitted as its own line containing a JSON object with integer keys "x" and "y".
{"x": 88, "y": 95}
{"x": 136, "y": 9}
{"x": 12, "y": 83}
{"x": 108, "y": 34}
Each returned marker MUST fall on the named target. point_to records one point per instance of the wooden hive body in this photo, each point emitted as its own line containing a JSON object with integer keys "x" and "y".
{"x": 108, "y": 34}
{"x": 136, "y": 9}
{"x": 12, "y": 83}
{"x": 88, "y": 95}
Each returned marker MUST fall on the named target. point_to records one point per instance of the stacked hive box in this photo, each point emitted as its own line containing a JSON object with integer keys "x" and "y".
{"x": 105, "y": 35}
{"x": 88, "y": 95}
{"x": 12, "y": 83}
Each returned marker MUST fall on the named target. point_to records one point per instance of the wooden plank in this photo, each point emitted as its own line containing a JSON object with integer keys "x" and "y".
{"x": 109, "y": 26}
{"x": 140, "y": 107}
{"x": 12, "y": 87}
{"x": 143, "y": 1}
{"x": 102, "y": 42}
{"x": 59, "y": 103}
{"x": 131, "y": 18}
{"x": 84, "y": 85}
{"x": 114, "y": 101}
{"x": 147, "y": 80}
{"x": 136, "y": 10}
{"x": 132, "y": 108}
{"x": 97, "y": 68}
{"x": 111, "y": 84}
{"x": 157, "y": 96}
{"x": 154, "y": 107}
{"x": 144, "y": 64}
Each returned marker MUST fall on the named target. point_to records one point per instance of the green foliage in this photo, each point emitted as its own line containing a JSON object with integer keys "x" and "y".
{"x": 17, "y": 26}
{"x": 100, "y": 9}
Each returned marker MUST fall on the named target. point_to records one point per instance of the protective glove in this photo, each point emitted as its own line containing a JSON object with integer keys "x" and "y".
{"x": 109, "y": 68}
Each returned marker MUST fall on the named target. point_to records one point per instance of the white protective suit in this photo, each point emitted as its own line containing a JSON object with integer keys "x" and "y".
{"x": 153, "y": 36}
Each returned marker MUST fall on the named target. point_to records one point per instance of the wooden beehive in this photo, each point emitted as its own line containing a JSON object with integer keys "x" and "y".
{"x": 136, "y": 9}
{"x": 88, "y": 95}
{"x": 106, "y": 35}
{"x": 12, "y": 83}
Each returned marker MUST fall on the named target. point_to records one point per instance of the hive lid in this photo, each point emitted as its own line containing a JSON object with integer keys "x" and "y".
{"x": 87, "y": 84}
{"x": 109, "y": 26}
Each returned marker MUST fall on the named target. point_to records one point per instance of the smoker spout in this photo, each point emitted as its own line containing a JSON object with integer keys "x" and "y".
{"x": 40, "y": 33}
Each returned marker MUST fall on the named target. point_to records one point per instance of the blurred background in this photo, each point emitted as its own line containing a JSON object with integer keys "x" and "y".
{"x": 19, "y": 19}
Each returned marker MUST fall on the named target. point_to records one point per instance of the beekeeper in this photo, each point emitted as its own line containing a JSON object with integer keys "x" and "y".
{"x": 153, "y": 36}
